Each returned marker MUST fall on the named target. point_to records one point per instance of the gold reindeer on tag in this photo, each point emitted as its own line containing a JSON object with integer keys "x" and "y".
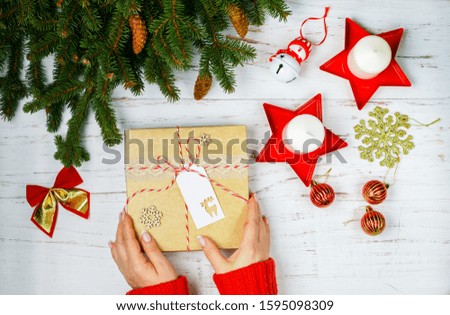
{"x": 212, "y": 210}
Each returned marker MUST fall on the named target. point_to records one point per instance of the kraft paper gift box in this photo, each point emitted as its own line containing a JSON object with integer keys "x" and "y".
{"x": 155, "y": 201}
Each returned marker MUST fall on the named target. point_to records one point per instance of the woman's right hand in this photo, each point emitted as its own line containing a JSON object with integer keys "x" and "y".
{"x": 255, "y": 244}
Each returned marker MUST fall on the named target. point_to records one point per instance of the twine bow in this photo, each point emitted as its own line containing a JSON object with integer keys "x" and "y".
{"x": 164, "y": 165}
{"x": 64, "y": 192}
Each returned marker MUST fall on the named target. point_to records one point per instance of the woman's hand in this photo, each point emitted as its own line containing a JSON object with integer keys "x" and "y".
{"x": 255, "y": 245}
{"x": 138, "y": 270}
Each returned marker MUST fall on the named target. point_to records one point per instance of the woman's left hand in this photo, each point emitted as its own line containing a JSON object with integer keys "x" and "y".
{"x": 138, "y": 270}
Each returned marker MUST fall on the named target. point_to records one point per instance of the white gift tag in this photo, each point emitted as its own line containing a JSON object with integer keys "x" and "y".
{"x": 200, "y": 197}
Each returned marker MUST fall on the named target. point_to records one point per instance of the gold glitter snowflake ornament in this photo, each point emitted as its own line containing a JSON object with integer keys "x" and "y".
{"x": 150, "y": 217}
{"x": 384, "y": 138}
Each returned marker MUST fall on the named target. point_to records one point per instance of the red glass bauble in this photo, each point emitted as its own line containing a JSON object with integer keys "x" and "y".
{"x": 373, "y": 222}
{"x": 375, "y": 192}
{"x": 321, "y": 195}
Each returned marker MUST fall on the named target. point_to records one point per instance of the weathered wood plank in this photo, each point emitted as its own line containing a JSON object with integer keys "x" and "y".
{"x": 315, "y": 253}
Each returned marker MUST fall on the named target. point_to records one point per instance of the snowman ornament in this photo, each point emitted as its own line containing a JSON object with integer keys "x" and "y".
{"x": 285, "y": 64}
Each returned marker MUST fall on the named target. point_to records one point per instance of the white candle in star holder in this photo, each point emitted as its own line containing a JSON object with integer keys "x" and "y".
{"x": 303, "y": 134}
{"x": 369, "y": 57}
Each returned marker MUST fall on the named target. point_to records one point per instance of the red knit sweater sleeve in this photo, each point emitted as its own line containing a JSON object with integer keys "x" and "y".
{"x": 175, "y": 287}
{"x": 258, "y": 278}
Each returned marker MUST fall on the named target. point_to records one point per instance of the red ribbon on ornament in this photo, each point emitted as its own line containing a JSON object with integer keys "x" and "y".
{"x": 315, "y": 19}
{"x": 165, "y": 165}
{"x": 46, "y": 200}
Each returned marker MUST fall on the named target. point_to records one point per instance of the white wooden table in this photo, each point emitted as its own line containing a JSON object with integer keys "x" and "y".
{"x": 315, "y": 253}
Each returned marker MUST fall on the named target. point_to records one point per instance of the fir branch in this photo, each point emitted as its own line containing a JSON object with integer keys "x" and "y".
{"x": 69, "y": 14}
{"x": 54, "y": 115}
{"x": 156, "y": 70}
{"x": 25, "y": 10}
{"x": 74, "y": 71}
{"x": 205, "y": 62}
{"x": 177, "y": 30}
{"x": 237, "y": 52}
{"x": 276, "y": 8}
{"x": 36, "y": 76}
{"x": 92, "y": 44}
{"x": 254, "y": 11}
{"x": 62, "y": 91}
{"x": 70, "y": 153}
{"x": 68, "y": 150}
{"x": 91, "y": 19}
{"x": 158, "y": 29}
{"x": 42, "y": 15}
{"x": 224, "y": 54}
{"x": 9, "y": 13}
{"x": 106, "y": 118}
{"x": 12, "y": 89}
{"x": 55, "y": 93}
{"x": 42, "y": 46}
{"x": 105, "y": 115}
{"x": 119, "y": 35}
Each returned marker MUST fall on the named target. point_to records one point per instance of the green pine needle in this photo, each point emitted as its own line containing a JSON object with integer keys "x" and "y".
{"x": 91, "y": 42}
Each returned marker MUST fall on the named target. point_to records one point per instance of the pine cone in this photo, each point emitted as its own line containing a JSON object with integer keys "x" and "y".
{"x": 202, "y": 86}
{"x": 239, "y": 19}
{"x": 139, "y": 32}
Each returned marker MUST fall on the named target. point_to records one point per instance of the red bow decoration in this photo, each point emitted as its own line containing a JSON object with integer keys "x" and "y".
{"x": 64, "y": 192}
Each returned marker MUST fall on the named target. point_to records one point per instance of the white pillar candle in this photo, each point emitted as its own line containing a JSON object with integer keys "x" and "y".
{"x": 369, "y": 57}
{"x": 303, "y": 134}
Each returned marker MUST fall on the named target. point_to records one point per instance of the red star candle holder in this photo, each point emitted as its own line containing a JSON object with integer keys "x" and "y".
{"x": 275, "y": 150}
{"x": 363, "y": 89}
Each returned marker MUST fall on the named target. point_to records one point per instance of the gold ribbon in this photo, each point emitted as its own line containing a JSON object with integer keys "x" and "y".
{"x": 73, "y": 199}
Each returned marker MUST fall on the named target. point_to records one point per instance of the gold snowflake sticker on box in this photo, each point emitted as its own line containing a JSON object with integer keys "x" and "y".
{"x": 205, "y": 139}
{"x": 384, "y": 138}
{"x": 150, "y": 217}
